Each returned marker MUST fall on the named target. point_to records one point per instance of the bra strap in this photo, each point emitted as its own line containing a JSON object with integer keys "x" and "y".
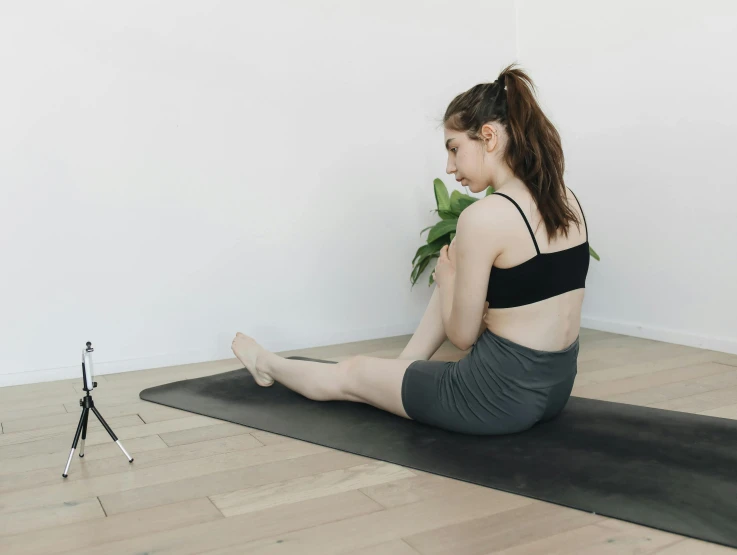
{"x": 584, "y": 216}
{"x": 523, "y": 216}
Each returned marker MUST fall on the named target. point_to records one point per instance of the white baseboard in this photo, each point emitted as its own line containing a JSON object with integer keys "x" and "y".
{"x": 189, "y": 357}
{"x": 110, "y": 367}
{"x": 722, "y": 344}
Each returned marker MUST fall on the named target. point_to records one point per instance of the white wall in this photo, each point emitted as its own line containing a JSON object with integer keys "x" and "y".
{"x": 173, "y": 172}
{"x": 643, "y": 94}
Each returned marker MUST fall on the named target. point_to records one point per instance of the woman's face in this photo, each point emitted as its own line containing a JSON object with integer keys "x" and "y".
{"x": 474, "y": 163}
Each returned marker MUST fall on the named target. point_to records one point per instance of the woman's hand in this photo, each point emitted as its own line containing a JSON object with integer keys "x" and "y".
{"x": 445, "y": 269}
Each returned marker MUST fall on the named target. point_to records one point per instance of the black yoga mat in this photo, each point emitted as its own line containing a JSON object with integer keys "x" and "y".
{"x": 664, "y": 469}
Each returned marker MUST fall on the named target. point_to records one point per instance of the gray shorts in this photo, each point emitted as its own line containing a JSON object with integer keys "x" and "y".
{"x": 499, "y": 387}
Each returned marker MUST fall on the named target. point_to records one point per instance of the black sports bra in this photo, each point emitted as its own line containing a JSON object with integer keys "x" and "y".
{"x": 543, "y": 276}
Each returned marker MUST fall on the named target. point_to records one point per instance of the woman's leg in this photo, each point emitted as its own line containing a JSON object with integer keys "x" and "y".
{"x": 430, "y": 334}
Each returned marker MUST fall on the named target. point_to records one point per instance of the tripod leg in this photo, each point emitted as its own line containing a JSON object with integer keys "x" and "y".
{"x": 82, "y": 420}
{"x": 84, "y": 433}
{"x": 112, "y": 435}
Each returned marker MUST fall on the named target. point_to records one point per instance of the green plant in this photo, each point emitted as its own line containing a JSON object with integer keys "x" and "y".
{"x": 449, "y": 208}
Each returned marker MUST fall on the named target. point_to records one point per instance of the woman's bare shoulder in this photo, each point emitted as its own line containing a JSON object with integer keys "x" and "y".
{"x": 499, "y": 211}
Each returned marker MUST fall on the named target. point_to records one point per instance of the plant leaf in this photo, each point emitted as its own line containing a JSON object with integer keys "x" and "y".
{"x": 427, "y": 250}
{"x": 460, "y": 201}
{"x": 421, "y": 268}
{"x": 443, "y": 215}
{"x": 441, "y": 195}
{"x": 441, "y": 228}
{"x": 455, "y": 208}
{"x": 592, "y": 252}
{"x": 423, "y": 256}
{"x": 464, "y": 201}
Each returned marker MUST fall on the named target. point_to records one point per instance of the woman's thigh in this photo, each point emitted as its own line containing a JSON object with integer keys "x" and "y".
{"x": 449, "y": 396}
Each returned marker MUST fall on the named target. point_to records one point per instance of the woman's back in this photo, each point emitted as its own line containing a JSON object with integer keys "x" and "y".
{"x": 551, "y": 324}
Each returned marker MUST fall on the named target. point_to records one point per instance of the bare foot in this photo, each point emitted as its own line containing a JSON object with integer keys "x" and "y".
{"x": 249, "y": 352}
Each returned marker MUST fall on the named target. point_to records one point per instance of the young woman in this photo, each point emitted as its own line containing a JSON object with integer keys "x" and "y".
{"x": 510, "y": 288}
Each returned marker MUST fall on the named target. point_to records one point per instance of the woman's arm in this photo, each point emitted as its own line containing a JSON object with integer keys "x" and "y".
{"x": 446, "y": 299}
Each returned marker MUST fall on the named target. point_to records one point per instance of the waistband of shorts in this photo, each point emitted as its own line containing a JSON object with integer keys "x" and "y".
{"x": 569, "y": 351}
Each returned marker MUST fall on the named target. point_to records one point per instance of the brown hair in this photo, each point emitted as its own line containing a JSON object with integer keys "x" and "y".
{"x": 533, "y": 153}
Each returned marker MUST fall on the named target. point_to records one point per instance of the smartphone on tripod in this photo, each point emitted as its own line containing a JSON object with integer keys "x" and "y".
{"x": 87, "y": 404}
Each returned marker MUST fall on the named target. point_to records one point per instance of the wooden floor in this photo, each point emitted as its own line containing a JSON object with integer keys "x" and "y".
{"x": 201, "y": 485}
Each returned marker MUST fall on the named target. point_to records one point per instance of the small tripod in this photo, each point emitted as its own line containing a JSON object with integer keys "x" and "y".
{"x": 88, "y": 404}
